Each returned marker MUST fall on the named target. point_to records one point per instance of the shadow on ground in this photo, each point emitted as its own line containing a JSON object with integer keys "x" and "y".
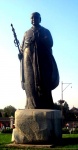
{"x": 66, "y": 142}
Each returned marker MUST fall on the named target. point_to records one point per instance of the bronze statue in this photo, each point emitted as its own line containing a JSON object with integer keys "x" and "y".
{"x": 39, "y": 72}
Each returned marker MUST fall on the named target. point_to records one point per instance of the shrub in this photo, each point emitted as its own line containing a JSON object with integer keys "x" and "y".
{"x": 65, "y": 131}
{"x": 75, "y": 131}
{"x": 6, "y": 131}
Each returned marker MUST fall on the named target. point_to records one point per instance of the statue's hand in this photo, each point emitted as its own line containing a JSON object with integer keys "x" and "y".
{"x": 20, "y": 56}
{"x": 35, "y": 37}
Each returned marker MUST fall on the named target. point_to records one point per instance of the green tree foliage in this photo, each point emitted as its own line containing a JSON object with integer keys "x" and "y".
{"x": 5, "y": 114}
{"x": 65, "y": 109}
{"x": 10, "y": 110}
{"x": 57, "y": 107}
{"x": 0, "y": 114}
{"x": 66, "y": 106}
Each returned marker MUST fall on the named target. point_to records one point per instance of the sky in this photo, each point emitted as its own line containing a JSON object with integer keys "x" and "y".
{"x": 61, "y": 18}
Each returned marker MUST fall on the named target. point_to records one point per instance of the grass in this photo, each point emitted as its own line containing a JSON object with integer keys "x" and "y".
{"x": 70, "y": 136}
{"x": 4, "y": 139}
{"x": 68, "y": 141}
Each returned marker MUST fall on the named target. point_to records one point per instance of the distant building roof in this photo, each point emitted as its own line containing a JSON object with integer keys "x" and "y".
{"x": 74, "y": 110}
{"x": 4, "y": 119}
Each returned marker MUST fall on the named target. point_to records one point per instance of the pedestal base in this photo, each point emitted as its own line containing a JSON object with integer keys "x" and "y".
{"x": 37, "y": 126}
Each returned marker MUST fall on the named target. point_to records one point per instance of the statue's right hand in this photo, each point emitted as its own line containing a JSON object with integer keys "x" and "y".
{"x": 32, "y": 39}
{"x": 20, "y": 56}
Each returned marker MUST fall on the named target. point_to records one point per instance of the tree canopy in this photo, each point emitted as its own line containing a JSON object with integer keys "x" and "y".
{"x": 9, "y": 110}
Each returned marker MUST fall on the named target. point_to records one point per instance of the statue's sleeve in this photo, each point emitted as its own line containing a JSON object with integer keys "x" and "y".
{"x": 22, "y": 45}
{"x": 47, "y": 39}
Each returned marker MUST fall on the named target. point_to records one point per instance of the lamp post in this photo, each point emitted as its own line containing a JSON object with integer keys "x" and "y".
{"x": 61, "y": 101}
{"x": 62, "y": 90}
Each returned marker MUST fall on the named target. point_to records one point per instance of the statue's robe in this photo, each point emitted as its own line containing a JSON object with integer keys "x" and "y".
{"x": 38, "y": 64}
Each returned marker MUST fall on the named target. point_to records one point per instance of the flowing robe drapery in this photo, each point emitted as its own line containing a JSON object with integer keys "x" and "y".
{"x": 37, "y": 67}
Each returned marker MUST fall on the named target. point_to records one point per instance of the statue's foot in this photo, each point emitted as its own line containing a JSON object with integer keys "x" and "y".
{"x": 30, "y": 103}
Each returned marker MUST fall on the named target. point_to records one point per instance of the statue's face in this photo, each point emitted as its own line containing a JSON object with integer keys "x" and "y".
{"x": 35, "y": 19}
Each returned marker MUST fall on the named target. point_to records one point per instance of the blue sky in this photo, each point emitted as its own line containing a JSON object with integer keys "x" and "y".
{"x": 61, "y": 18}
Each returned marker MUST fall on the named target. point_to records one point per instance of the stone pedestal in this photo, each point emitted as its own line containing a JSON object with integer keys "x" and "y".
{"x": 37, "y": 126}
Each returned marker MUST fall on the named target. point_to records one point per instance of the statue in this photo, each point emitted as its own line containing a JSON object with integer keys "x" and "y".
{"x": 39, "y": 72}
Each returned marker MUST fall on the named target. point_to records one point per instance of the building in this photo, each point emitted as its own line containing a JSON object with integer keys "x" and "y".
{"x": 6, "y": 122}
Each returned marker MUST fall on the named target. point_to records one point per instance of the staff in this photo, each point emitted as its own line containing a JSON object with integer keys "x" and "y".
{"x": 20, "y": 56}
{"x": 16, "y": 41}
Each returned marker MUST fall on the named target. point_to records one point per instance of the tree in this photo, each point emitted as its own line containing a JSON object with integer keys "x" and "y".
{"x": 10, "y": 110}
{"x": 0, "y": 114}
{"x": 5, "y": 114}
{"x": 65, "y": 111}
{"x": 57, "y": 107}
{"x": 66, "y": 106}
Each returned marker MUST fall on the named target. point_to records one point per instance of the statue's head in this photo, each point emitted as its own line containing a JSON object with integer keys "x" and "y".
{"x": 35, "y": 19}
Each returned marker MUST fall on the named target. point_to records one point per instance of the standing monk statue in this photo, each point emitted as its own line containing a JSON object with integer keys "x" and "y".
{"x": 39, "y": 72}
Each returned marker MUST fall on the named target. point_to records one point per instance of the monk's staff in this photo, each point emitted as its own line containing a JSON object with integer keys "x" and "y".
{"x": 16, "y": 41}
{"x": 20, "y": 56}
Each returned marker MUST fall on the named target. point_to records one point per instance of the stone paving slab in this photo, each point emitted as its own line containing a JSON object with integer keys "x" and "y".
{"x": 14, "y": 145}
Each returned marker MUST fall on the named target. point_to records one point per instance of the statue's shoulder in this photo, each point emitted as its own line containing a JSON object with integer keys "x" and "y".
{"x": 44, "y": 29}
{"x": 29, "y": 30}
{"x": 28, "y": 33}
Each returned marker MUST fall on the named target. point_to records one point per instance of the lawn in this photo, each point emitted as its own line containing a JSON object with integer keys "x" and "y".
{"x": 4, "y": 139}
{"x": 68, "y": 141}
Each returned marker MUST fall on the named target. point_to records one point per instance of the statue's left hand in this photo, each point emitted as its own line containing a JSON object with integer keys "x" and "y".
{"x": 35, "y": 37}
{"x": 20, "y": 56}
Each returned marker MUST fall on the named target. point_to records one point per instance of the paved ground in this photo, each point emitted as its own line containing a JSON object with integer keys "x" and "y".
{"x": 28, "y": 145}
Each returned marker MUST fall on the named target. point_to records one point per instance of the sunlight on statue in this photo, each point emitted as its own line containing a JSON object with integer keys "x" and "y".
{"x": 39, "y": 72}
